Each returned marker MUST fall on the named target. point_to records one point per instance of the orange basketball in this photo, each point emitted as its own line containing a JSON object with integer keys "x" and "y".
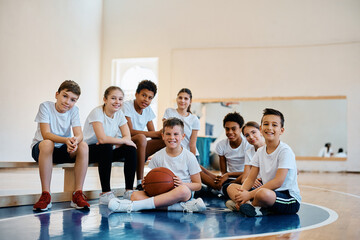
{"x": 159, "y": 180}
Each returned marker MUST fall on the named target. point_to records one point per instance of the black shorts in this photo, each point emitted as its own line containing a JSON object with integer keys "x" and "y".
{"x": 285, "y": 203}
{"x": 60, "y": 155}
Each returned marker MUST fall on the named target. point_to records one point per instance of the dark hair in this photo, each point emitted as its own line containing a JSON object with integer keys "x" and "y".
{"x": 147, "y": 84}
{"x": 172, "y": 122}
{"x": 71, "y": 86}
{"x": 186, "y": 90}
{"x": 110, "y": 89}
{"x": 340, "y": 150}
{"x": 270, "y": 111}
{"x": 250, "y": 124}
{"x": 234, "y": 117}
{"x": 327, "y": 145}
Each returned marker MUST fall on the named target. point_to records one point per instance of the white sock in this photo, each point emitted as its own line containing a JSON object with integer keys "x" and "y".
{"x": 138, "y": 182}
{"x": 175, "y": 207}
{"x": 144, "y": 204}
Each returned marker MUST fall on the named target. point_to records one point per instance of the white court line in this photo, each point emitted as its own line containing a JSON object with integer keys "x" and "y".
{"x": 45, "y": 212}
{"x": 329, "y": 190}
{"x": 333, "y": 216}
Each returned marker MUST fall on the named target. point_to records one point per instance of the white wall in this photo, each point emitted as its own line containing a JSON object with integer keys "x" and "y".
{"x": 290, "y": 48}
{"x": 42, "y": 43}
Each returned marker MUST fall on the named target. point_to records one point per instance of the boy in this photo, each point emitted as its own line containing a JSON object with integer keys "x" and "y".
{"x": 187, "y": 177}
{"x": 231, "y": 153}
{"x": 53, "y": 143}
{"x": 139, "y": 116}
{"x": 277, "y": 167}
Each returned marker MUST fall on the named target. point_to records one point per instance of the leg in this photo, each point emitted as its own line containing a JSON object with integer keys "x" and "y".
{"x": 153, "y": 146}
{"x": 81, "y": 164}
{"x": 264, "y": 198}
{"x": 208, "y": 178}
{"x": 45, "y": 161}
{"x": 129, "y": 153}
{"x": 232, "y": 190}
{"x": 103, "y": 155}
{"x": 141, "y": 142}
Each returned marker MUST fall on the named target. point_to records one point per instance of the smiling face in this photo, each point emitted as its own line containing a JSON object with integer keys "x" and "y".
{"x": 113, "y": 101}
{"x": 183, "y": 101}
{"x": 65, "y": 100}
{"x": 271, "y": 128}
{"x": 173, "y": 136}
{"x": 144, "y": 98}
{"x": 253, "y": 135}
{"x": 232, "y": 131}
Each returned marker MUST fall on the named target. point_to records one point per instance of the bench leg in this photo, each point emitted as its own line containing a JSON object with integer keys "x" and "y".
{"x": 69, "y": 179}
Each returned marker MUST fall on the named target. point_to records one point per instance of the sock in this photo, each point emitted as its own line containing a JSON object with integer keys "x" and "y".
{"x": 175, "y": 207}
{"x": 138, "y": 182}
{"x": 144, "y": 204}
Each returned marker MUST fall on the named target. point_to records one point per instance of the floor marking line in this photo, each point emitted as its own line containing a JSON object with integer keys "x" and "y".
{"x": 330, "y": 190}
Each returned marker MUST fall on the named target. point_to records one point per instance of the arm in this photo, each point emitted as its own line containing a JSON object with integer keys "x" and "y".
{"x": 192, "y": 143}
{"x": 223, "y": 165}
{"x": 104, "y": 139}
{"x": 47, "y": 135}
{"x": 194, "y": 185}
{"x": 151, "y": 133}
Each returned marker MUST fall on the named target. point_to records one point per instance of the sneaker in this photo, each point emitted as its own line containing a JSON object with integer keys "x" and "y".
{"x": 230, "y": 204}
{"x": 79, "y": 200}
{"x": 139, "y": 187}
{"x": 106, "y": 197}
{"x": 127, "y": 194}
{"x": 44, "y": 202}
{"x": 194, "y": 205}
{"x": 251, "y": 211}
{"x": 120, "y": 205}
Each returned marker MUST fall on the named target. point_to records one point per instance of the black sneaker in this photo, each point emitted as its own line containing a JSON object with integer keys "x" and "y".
{"x": 251, "y": 211}
{"x": 139, "y": 187}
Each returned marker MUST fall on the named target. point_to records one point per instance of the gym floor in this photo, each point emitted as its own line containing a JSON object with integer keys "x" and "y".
{"x": 330, "y": 210}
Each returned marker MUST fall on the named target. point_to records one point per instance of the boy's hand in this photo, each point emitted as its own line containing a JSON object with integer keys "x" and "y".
{"x": 129, "y": 143}
{"x": 257, "y": 183}
{"x": 242, "y": 197}
{"x": 71, "y": 144}
{"x": 220, "y": 179}
{"x": 177, "y": 181}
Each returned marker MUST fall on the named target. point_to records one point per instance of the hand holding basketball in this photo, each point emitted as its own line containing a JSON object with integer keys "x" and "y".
{"x": 159, "y": 180}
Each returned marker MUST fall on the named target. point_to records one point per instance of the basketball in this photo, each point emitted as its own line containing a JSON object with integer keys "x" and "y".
{"x": 159, "y": 180}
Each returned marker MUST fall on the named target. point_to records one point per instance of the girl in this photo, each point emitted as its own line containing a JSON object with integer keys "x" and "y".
{"x": 191, "y": 122}
{"x": 251, "y": 131}
{"x": 108, "y": 136}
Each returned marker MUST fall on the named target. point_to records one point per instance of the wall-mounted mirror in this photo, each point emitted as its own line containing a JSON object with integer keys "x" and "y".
{"x": 310, "y": 122}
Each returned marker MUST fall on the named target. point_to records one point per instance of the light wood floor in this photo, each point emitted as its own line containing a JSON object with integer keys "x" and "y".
{"x": 337, "y": 191}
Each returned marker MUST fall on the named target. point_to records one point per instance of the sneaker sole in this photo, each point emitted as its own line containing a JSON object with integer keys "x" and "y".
{"x": 44, "y": 209}
{"x": 74, "y": 205}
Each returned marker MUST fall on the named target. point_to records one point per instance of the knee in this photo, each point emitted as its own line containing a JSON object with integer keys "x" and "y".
{"x": 183, "y": 192}
{"x": 232, "y": 188}
{"x": 140, "y": 140}
{"x": 265, "y": 195}
{"x": 83, "y": 147}
{"x": 46, "y": 146}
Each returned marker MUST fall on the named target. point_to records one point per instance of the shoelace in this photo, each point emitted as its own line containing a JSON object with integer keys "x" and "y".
{"x": 80, "y": 194}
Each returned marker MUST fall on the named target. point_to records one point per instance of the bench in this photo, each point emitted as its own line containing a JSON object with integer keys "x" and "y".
{"x": 69, "y": 184}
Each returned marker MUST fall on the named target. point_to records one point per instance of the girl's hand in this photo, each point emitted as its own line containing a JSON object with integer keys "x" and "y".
{"x": 129, "y": 143}
{"x": 177, "y": 181}
{"x": 242, "y": 197}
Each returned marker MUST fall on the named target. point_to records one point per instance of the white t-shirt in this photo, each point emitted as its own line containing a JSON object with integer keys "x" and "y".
{"x": 235, "y": 157}
{"x": 184, "y": 165}
{"x": 191, "y": 122}
{"x": 249, "y": 154}
{"x": 268, "y": 164}
{"x": 139, "y": 121}
{"x": 60, "y": 123}
{"x": 325, "y": 153}
{"x": 111, "y": 125}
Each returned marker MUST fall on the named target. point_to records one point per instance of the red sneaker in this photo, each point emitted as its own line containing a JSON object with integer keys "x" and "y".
{"x": 79, "y": 200}
{"x": 44, "y": 202}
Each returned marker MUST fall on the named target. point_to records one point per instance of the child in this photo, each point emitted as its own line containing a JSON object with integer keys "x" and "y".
{"x": 53, "y": 143}
{"x": 139, "y": 116}
{"x": 251, "y": 131}
{"x": 187, "y": 177}
{"x": 191, "y": 122}
{"x": 108, "y": 136}
{"x": 231, "y": 153}
{"x": 277, "y": 167}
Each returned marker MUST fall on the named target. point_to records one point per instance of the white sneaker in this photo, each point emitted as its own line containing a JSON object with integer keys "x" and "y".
{"x": 120, "y": 205}
{"x": 106, "y": 197}
{"x": 230, "y": 204}
{"x": 127, "y": 194}
{"x": 194, "y": 205}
